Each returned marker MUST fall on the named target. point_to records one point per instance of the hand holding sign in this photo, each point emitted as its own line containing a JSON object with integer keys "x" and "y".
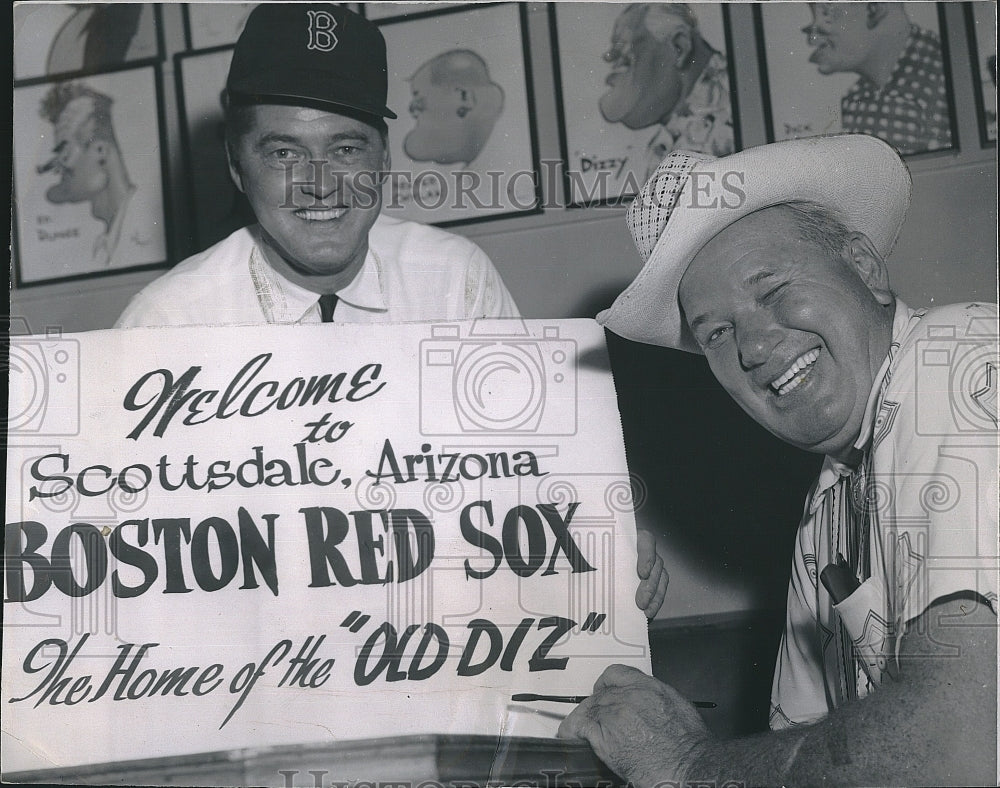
{"x": 644, "y": 729}
{"x": 653, "y": 574}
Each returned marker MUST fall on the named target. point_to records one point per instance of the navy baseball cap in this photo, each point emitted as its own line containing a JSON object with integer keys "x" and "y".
{"x": 315, "y": 53}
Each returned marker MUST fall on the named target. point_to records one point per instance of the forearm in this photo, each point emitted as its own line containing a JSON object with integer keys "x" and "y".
{"x": 850, "y": 747}
{"x": 758, "y": 760}
{"x": 901, "y": 735}
{"x": 934, "y": 724}
{"x": 846, "y": 748}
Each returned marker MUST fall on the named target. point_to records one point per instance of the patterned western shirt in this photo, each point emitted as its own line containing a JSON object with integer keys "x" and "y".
{"x": 916, "y": 520}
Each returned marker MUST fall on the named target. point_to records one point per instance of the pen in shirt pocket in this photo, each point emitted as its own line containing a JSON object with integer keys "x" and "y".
{"x": 838, "y": 580}
{"x": 841, "y": 584}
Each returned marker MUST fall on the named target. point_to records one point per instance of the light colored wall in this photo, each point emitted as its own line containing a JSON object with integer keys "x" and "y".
{"x": 570, "y": 262}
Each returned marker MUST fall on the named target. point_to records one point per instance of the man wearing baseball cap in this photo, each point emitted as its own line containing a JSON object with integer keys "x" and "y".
{"x": 307, "y": 144}
{"x": 771, "y": 263}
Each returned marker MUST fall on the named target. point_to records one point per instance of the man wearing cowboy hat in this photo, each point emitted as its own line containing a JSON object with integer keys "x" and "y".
{"x": 771, "y": 263}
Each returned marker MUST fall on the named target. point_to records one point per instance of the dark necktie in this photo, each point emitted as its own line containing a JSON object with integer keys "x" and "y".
{"x": 327, "y": 303}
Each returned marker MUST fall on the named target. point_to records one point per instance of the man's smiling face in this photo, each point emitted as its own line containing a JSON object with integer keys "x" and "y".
{"x": 794, "y": 333}
{"x": 312, "y": 179}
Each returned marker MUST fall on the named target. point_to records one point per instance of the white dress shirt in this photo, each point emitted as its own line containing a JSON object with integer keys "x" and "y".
{"x": 412, "y": 272}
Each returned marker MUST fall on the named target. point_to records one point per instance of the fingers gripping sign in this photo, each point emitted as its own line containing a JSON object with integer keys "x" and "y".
{"x": 653, "y": 577}
{"x": 640, "y": 727}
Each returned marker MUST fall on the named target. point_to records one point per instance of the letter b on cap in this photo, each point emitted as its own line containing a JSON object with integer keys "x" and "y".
{"x": 321, "y": 25}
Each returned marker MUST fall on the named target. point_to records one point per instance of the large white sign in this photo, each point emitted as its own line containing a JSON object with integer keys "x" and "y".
{"x": 236, "y": 537}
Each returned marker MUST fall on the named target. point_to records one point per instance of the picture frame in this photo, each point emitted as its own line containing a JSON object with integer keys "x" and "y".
{"x": 56, "y": 40}
{"x": 610, "y": 142}
{"x": 469, "y": 153}
{"x": 810, "y": 88}
{"x": 980, "y": 22}
{"x": 216, "y": 207}
{"x": 208, "y": 25}
{"x": 100, "y": 208}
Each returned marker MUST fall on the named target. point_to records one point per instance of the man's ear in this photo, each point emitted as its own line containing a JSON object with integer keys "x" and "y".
{"x": 682, "y": 47}
{"x": 234, "y": 167}
{"x": 875, "y": 13}
{"x": 870, "y": 266}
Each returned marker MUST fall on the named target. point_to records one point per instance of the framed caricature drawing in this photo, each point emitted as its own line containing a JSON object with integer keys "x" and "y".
{"x": 214, "y": 24}
{"x": 385, "y": 10}
{"x": 879, "y": 69}
{"x": 626, "y": 98}
{"x": 463, "y": 147}
{"x": 94, "y": 203}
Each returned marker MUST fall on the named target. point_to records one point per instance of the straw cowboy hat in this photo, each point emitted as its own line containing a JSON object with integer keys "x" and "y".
{"x": 692, "y": 197}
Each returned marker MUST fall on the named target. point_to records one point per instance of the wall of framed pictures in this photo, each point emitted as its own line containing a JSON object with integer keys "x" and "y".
{"x": 563, "y": 126}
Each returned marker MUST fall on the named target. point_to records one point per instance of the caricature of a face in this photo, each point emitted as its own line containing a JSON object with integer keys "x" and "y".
{"x": 80, "y": 158}
{"x": 840, "y": 35}
{"x": 455, "y": 105}
{"x": 438, "y": 111}
{"x": 645, "y": 83}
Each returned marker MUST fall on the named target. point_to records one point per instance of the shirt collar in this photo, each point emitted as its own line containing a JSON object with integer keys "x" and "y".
{"x": 366, "y": 290}
{"x": 833, "y": 469}
{"x": 284, "y": 301}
